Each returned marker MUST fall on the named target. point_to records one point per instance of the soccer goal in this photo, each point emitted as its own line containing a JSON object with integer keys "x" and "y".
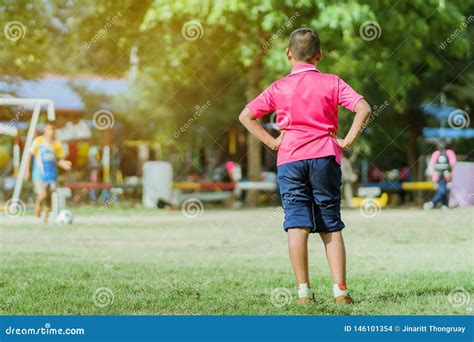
{"x": 34, "y": 105}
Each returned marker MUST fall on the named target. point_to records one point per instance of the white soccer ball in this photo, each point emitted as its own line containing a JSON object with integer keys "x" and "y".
{"x": 64, "y": 217}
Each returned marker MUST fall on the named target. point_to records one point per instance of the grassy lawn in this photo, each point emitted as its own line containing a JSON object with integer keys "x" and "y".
{"x": 140, "y": 262}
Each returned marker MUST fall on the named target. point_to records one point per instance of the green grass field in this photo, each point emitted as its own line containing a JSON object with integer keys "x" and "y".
{"x": 231, "y": 263}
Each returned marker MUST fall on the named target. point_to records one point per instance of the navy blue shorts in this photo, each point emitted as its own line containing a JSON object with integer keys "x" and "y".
{"x": 311, "y": 194}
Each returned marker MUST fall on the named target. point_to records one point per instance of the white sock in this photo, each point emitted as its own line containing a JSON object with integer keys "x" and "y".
{"x": 304, "y": 290}
{"x": 338, "y": 292}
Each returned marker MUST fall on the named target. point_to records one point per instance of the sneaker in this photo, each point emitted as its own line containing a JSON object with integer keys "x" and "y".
{"x": 444, "y": 208}
{"x": 344, "y": 299}
{"x": 428, "y": 205}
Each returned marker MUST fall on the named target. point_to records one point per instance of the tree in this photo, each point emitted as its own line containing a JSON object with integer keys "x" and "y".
{"x": 227, "y": 51}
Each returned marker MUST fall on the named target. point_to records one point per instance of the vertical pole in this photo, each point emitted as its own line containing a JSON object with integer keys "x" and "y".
{"x": 26, "y": 153}
{"x": 106, "y": 164}
{"x": 421, "y": 176}
{"x": 16, "y": 159}
{"x": 106, "y": 171}
{"x": 55, "y": 203}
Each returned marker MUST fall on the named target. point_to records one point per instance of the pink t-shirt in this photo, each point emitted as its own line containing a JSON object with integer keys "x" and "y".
{"x": 306, "y": 103}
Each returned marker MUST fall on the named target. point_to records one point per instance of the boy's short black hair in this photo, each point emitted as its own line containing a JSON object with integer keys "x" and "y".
{"x": 304, "y": 44}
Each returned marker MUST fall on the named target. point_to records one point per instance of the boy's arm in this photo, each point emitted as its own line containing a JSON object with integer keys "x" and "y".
{"x": 247, "y": 119}
{"x": 59, "y": 151}
{"x": 362, "y": 113}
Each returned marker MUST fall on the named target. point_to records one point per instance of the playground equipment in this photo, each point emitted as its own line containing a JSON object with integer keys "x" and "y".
{"x": 158, "y": 185}
{"x": 370, "y": 193}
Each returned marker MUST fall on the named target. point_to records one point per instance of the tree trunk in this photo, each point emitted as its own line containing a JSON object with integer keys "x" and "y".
{"x": 415, "y": 124}
{"x": 254, "y": 146}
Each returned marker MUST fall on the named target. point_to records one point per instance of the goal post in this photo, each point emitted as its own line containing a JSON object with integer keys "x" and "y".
{"x": 36, "y": 105}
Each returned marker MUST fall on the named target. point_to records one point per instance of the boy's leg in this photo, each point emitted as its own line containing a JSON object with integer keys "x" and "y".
{"x": 336, "y": 255}
{"x": 444, "y": 197}
{"x": 37, "y": 209}
{"x": 440, "y": 192}
{"x": 298, "y": 249}
{"x": 50, "y": 187}
{"x": 326, "y": 184}
{"x": 299, "y": 221}
{"x": 40, "y": 190}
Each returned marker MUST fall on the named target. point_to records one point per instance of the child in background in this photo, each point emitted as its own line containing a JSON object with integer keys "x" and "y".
{"x": 48, "y": 154}
{"x": 442, "y": 162}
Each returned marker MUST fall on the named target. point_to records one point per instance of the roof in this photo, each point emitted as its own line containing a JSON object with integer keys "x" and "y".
{"x": 60, "y": 89}
{"x": 451, "y": 133}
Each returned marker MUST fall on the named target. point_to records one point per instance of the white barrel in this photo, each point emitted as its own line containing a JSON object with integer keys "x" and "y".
{"x": 157, "y": 183}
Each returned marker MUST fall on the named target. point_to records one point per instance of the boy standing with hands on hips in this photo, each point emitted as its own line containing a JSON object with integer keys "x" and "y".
{"x": 309, "y": 155}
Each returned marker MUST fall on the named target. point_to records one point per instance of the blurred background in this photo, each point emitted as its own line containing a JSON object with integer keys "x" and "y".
{"x": 141, "y": 81}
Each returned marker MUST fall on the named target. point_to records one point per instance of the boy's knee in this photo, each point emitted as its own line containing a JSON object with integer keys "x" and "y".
{"x": 331, "y": 236}
{"x": 298, "y": 232}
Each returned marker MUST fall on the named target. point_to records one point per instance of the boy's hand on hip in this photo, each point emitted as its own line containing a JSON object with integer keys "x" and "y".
{"x": 275, "y": 145}
{"x": 341, "y": 142}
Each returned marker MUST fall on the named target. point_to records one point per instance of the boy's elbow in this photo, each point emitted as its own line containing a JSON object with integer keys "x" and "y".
{"x": 241, "y": 117}
{"x": 245, "y": 115}
{"x": 364, "y": 108}
{"x": 368, "y": 109}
